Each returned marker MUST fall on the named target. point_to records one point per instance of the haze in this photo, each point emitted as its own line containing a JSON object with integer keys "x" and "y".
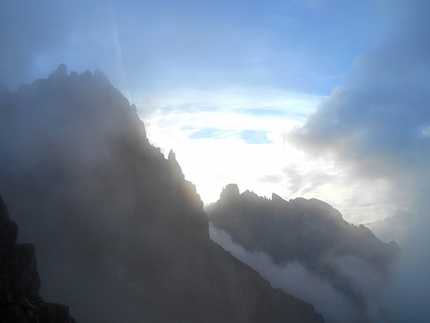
{"x": 312, "y": 98}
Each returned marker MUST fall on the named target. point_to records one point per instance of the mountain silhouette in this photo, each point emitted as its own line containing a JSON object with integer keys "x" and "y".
{"x": 309, "y": 232}
{"x": 120, "y": 235}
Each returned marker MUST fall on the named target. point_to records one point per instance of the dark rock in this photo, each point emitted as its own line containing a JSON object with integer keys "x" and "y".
{"x": 20, "y": 279}
{"x": 8, "y": 228}
{"x": 49, "y": 312}
{"x": 20, "y": 284}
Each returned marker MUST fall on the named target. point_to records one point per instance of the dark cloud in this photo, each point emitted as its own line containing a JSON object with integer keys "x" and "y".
{"x": 376, "y": 124}
{"x": 377, "y": 119}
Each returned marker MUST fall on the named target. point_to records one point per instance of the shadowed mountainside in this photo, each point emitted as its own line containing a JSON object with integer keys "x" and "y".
{"x": 120, "y": 235}
{"x": 309, "y": 232}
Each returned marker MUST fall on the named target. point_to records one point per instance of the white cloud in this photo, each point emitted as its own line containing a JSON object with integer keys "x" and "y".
{"x": 294, "y": 279}
{"x": 220, "y": 153}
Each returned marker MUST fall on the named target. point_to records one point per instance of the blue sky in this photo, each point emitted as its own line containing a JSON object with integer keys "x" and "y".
{"x": 299, "y": 45}
{"x": 313, "y": 98}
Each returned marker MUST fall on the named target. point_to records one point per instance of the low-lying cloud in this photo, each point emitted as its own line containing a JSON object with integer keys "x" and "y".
{"x": 295, "y": 279}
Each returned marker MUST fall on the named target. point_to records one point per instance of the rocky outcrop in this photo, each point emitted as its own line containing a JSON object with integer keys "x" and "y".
{"x": 19, "y": 281}
{"x": 121, "y": 235}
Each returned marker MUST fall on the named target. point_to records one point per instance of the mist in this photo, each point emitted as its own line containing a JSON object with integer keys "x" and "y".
{"x": 85, "y": 187}
{"x": 306, "y": 248}
{"x": 401, "y": 297}
{"x": 61, "y": 163}
{"x": 119, "y": 234}
{"x": 57, "y": 136}
{"x": 293, "y": 278}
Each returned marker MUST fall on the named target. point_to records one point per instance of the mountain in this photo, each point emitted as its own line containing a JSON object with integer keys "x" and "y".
{"x": 20, "y": 301}
{"x": 311, "y": 233}
{"x": 120, "y": 235}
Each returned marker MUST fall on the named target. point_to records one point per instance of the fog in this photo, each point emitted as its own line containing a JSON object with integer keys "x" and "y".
{"x": 57, "y": 139}
{"x": 74, "y": 156}
{"x": 375, "y": 125}
{"x": 399, "y": 298}
{"x": 306, "y": 248}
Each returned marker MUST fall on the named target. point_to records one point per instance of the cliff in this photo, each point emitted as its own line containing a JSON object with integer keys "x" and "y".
{"x": 121, "y": 235}
{"x": 19, "y": 281}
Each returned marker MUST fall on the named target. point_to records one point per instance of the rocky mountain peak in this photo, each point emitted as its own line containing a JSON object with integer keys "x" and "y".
{"x": 60, "y": 72}
{"x": 121, "y": 235}
{"x": 175, "y": 167}
{"x": 310, "y": 233}
{"x": 230, "y": 192}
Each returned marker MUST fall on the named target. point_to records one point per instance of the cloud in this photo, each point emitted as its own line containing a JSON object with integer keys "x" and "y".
{"x": 375, "y": 126}
{"x": 228, "y": 132}
{"x": 305, "y": 182}
{"x": 293, "y": 278}
{"x": 395, "y": 227}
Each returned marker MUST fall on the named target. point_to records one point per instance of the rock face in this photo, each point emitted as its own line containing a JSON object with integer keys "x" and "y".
{"x": 309, "y": 232}
{"x": 19, "y": 281}
{"x": 121, "y": 235}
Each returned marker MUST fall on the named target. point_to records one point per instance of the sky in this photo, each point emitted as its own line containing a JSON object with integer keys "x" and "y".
{"x": 321, "y": 99}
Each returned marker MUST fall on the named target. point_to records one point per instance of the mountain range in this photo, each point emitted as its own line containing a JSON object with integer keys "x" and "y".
{"x": 119, "y": 234}
{"x": 310, "y": 233}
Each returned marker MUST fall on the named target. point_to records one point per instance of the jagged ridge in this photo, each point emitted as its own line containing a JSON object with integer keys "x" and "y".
{"x": 310, "y": 232}
{"x": 115, "y": 224}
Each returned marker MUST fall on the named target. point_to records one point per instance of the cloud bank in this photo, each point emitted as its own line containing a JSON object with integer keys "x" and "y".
{"x": 376, "y": 125}
{"x": 378, "y": 121}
